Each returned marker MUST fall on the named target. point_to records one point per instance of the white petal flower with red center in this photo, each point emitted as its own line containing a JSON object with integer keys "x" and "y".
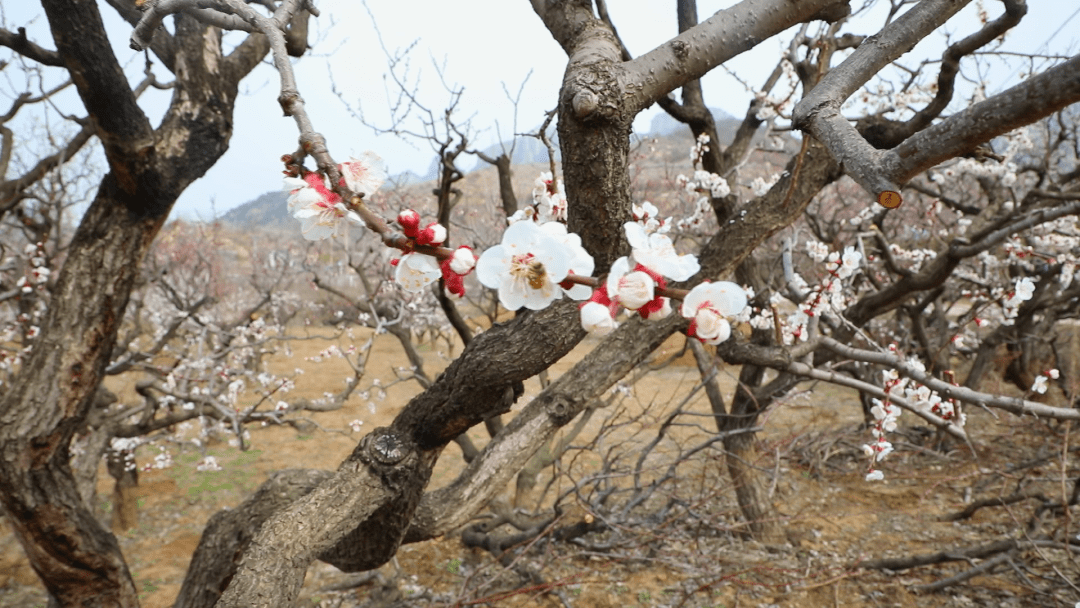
{"x": 658, "y": 253}
{"x": 415, "y": 271}
{"x": 39, "y": 275}
{"x": 630, "y": 288}
{"x": 549, "y": 199}
{"x": 551, "y": 208}
{"x": 581, "y": 263}
{"x": 364, "y": 175}
{"x": 526, "y": 267}
{"x": 707, "y": 307}
{"x": 649, "y": 217}
{"x": 598, "y": 314}
{"x": 320, "y": 211}
{"x": 543, "y": 185}
{"x": 306, "y": 191}
{"x": 322, "y": 221}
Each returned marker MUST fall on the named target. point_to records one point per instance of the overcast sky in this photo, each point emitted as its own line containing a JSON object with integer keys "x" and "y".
{"x": 482, "y": 46}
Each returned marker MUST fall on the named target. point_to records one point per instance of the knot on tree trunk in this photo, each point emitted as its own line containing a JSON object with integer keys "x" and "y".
{"x": 389, "y": 453}
{"x": 594, "y": 92}
{"x": 561, "y": 411}
{"x": 585, "y": 103}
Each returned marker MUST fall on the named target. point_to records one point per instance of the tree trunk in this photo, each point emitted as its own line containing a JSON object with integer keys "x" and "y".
{"x": 229, "y": 532}
{"x": 739, "y": 447}
{"x": 506, "y": 185}
{"x": 122, "y": 468}
{"x": 759, "y": 515}
{"x": 78, "y": 560}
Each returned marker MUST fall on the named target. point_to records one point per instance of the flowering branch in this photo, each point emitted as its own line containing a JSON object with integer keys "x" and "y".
{"x": 808, "y": 371}
{"x": 1014, "y": 405}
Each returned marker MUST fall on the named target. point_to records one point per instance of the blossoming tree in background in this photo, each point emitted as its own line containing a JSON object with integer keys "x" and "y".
{"x": 817, "y": 317}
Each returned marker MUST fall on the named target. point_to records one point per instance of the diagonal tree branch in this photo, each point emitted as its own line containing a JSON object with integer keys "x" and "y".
{"x": 714, "y": 41}
{"x": 1026, "y": 103}
{"x": 819, "y": 111}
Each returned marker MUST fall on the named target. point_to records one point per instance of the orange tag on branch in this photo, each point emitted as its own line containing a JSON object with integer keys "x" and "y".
{"x": 889, "y": 199}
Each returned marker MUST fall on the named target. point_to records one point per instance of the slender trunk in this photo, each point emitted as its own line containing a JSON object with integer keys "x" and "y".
{"x": 759, "y": 515}
{"x": 506, "y": 185}
{"x": 121, "y": 466}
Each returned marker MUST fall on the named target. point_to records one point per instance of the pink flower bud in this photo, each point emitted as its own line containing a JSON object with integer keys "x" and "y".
{"x": 434, "y": 234}
{"x": 410, "y": 223}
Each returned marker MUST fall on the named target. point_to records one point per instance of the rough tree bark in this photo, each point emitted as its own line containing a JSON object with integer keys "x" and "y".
{"x": 78, "y": 560}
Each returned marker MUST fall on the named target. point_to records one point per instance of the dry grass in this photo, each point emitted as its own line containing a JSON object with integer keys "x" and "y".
{"x": 831, "y": 516}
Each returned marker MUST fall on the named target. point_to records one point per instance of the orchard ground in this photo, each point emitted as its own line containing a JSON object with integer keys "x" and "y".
{"x": 810, "y": 461}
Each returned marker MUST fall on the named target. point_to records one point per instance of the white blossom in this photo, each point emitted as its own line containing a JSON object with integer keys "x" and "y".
{"x": 656, "y": 252}
{"x": 364, "y": 175}
{"x": 526, "y": 267}
{"x": 581, "y": 263}
{"x": 596, "y": 319}
{"x": 415, "y": 271}
{"x": 708, "y": 304}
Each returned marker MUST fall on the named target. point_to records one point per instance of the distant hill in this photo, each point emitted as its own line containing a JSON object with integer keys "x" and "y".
{"x": 527, "y": 150}
{"x": 267, "y": 211}
{"x": 664, "y": 125}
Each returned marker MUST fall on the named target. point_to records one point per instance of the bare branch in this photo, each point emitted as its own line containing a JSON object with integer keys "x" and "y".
{"x": 21, "y": 45}
{"x": 1035, "y": 98}
{"x": 726, "y": 34}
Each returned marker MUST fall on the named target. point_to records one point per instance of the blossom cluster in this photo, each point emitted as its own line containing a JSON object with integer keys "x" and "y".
{"x": 415, "y": 270}
{"x": 321, "y": 211}
{"x": 885, "y": 415}
{"x": 549, "y": 202}
{"x": 703, "y": 184}
{"x": 826, "y": 297}
{"x": 635, "y": 281}
{"x": 38, "y": 273}
{"x": 920, "y": 396}
{"x": 771, "y": 106}
{"x": 538, "y": 260}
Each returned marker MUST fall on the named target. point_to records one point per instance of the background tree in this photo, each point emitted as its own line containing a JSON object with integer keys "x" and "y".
{"x": 148, "y": 168}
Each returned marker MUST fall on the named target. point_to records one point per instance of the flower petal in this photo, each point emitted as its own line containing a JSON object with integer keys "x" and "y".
{"x": 493, "y": 266}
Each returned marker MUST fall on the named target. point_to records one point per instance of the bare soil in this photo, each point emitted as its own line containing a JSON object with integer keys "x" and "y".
{"x": 809, "y": 459}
